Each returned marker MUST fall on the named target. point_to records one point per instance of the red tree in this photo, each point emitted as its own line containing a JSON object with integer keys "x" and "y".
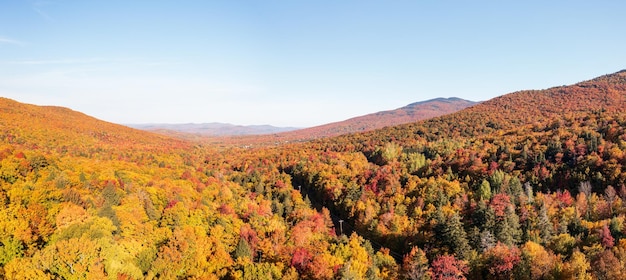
{"x": 499, "y": 203}
{"x": 501, "y": 260}
{"x": 446, "y": 267}
{"x": 606, "y": 237}
{"x": 301, "y": 259}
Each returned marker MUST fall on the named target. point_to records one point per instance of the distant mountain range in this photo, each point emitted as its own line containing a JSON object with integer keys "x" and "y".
{"x": 213, "y": 129}
{"x": 410, "y": 113}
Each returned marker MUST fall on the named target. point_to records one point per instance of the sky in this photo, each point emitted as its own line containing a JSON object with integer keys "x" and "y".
{"x": 294, "y": 63}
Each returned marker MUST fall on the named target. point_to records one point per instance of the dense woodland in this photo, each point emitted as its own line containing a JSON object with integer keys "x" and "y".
{"x": 530, "y": 185}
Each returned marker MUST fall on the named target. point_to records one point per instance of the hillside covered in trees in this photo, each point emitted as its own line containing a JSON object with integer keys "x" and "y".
{"x": 529, "y": 185}
{"x": 408, "y": 114}
{"x": 411, "y": 113}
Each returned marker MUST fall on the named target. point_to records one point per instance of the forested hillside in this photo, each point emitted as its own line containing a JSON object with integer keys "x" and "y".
{"x": 86, "y": 199}
{"x": 530, "y": 185}
{"x": 527, "y": 186}
{"x": 408, "y": 114}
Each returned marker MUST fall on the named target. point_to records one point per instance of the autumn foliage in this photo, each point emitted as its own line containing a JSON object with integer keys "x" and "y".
{"x": 530, "y": 185}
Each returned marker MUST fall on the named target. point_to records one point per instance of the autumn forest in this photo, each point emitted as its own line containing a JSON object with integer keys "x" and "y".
{"x": 528, "y": 185}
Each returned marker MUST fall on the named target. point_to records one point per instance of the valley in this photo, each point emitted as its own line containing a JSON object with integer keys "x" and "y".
{"x": 225, "y": 134}
{"x": 528, "y": 185}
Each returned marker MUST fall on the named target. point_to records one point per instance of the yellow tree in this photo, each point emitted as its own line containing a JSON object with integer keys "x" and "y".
{"x": 358, "y": 262}
{"x": 578, "y": 267}
{"x": 537, "y": 263}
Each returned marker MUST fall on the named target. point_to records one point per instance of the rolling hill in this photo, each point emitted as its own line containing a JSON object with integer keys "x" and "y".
{"x": 51, "y": 127}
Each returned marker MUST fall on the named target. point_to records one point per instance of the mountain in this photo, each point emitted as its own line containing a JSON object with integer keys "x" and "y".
{"x": 212, "y": 129}
{"x": 527, "y": 107}
{"x": 255, "y": 133}
{"x": 602, "y": 93}
{"x": 410, "y": 113}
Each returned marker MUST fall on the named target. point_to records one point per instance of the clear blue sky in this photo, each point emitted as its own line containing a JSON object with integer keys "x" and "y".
{"x": 295, "y": 63}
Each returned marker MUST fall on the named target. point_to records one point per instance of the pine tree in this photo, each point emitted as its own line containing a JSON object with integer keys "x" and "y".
{"x": 243, "y": 249}
{"x": 484, "y": 190}
{"x": 455, "y": 237}
{"x": 484, "y": 217}
{"x": 545, "y": 225}
{"x": 509, "y": 231}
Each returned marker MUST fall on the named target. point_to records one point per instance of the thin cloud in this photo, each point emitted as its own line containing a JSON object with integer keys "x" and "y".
{"x": 9, "y": 41}
{"x": 58, "y": 61}
{"x": 38, "y": 7}
{"x": 93, "y": 60}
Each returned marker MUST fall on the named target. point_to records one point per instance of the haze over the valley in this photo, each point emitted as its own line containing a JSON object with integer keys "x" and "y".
{"x": 411, "y": 113}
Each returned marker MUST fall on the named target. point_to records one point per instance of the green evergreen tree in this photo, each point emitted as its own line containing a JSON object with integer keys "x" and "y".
{"x": 484, "y": 190}
{"x": 545, "y": 225}
{"x": 243, "y": 249}
{"x": 455, "y": 237}
{"x": 497, "y": 179}
{"x": 509, "y": 231}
